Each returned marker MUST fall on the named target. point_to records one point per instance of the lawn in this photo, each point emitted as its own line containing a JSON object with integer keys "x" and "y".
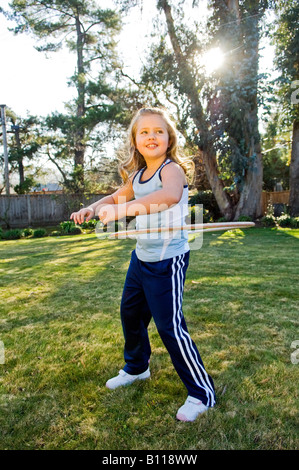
{"x": 61, "y": 331}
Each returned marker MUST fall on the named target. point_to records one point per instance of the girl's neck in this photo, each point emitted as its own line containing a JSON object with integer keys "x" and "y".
{"x": 153, "y": 165}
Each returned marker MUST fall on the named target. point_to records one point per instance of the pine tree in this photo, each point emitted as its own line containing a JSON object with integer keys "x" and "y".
{"x": 89, "y": 32}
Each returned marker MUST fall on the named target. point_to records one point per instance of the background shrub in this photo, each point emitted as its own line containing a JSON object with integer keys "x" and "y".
{"x": 75, "y": 230}
{"x": 39, "y": 233}
{"x": 91, "y": 224}
{"x": 65, "y": 227}
{"x": 27, "y": 232}
{"x": 68, "y": 227}
{"x": 268, "y": 221}
{"x": 55, "y": 233}
{"x": 208, "y": 200}
{"x": 13, "y": 234}
{"x": 284, "y": 220}
{"x": 295, "y": 222}
{"x": 195, "y": 215}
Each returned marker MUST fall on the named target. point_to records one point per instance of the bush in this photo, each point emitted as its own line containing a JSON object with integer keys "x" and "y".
{"x": 39, "y": 233}
{"x": 66, "y": 226}
{"x": 91, "y": 224}
{"x": 208, "y": 200}
{"x": 295, "y": 222}
{"x": 244, "y": 218}
{"x": 195, "y": 215}
{"x": 27, "y": 232}
{"x": 13, "y": 234}
{"x": 55, "y": 233}
{"x": 268, "y": 221}
{"x": 285, "y": 220}
{"x": 75, "y": 230}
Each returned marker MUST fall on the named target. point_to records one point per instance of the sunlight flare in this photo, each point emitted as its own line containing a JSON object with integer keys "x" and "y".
{"x": 212, "y": 60}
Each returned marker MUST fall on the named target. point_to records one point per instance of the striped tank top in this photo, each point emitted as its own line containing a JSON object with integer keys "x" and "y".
{"x": 153, "y": 247}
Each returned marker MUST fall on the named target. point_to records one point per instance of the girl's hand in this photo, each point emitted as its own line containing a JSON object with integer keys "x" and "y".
{"x": 111, "y": 212}
{"x": 78, "y": 217}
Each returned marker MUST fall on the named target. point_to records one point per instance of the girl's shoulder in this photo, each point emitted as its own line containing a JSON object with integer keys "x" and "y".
{"x": 133, "y": 176}
{"x": 172, "y": 169}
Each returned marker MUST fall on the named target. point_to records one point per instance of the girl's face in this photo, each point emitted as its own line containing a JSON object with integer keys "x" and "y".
{"x": 152, "y": 138}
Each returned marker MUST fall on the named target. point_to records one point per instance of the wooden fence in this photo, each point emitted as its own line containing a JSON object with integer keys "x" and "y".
{"x": 275, "y": 197}
{"x": 33, "y": 210}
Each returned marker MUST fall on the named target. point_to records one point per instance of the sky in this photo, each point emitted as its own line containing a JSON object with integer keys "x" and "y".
{"x": 32, "y": 83}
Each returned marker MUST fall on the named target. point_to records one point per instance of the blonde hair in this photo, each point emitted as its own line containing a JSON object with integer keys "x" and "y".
{"x": 136, "y": 161}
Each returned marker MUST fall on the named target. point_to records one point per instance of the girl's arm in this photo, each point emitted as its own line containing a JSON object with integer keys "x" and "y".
{"x": 123, "y": 194}
{"x": 173, "y": 181}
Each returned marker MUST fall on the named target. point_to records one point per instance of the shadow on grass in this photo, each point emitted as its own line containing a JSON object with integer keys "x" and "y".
{"x": 63, "y": 343}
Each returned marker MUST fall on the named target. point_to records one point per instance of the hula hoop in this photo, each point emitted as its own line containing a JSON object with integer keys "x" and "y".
{"x": 209, "y": 227}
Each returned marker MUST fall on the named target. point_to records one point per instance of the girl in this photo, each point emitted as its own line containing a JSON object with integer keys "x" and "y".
{"x": 155, "y": 191}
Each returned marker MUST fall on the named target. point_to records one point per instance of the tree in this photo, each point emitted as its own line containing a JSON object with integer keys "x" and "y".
{"x": 276, "y": 154}
{"x": 218, "y": 114}
{"x": 23, "y": 146}
{"x": 88, "y": 31}
{"x": 286, "y": 39}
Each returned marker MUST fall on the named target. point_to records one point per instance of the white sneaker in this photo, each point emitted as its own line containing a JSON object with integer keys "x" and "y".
{"x": 191, "y": 409}
{"x": 123, "y": 378}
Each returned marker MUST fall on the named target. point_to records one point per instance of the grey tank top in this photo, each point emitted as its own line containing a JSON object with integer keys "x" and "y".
{"x": 159, "y": 246}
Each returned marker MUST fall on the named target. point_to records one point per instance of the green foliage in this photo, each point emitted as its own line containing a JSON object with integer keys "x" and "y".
{"x": 268, "y": 220}
{"x": 91, "y": 224}
{"x": 286, "y": 40}
{"x": 66, "y": 226}
{"x": 23, "y": 145}
{"x": 88, "y": 30}
{"x": 55, "y": 233}
{"x": 199, "y": 216}
{"x": 75, "y": 230}
{"x": 285, "y": 220}
{"x": 244, "y": 218}
{"x": 12, "y": 234}
{"x": 39, "y": 233}
{"x": 27, "y": 232}
{"x": 26, "y": 186}
{"x": 232, "y": 97}
{"x": 208, "y": 200}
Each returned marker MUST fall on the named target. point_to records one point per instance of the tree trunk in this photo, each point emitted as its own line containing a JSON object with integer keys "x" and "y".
{"x": 294, "y": 172}
{"x": 250, "y": 202}
{"x": 189, "y": 88}
{"x": 20, "y": 159}
{"x": 222, "y": 198}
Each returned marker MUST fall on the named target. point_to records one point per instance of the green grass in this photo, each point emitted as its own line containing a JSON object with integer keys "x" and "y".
{"x": 62, "y": 334}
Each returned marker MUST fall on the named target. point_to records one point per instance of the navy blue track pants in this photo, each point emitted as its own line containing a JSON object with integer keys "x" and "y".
{"x": 156, "y": 290}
